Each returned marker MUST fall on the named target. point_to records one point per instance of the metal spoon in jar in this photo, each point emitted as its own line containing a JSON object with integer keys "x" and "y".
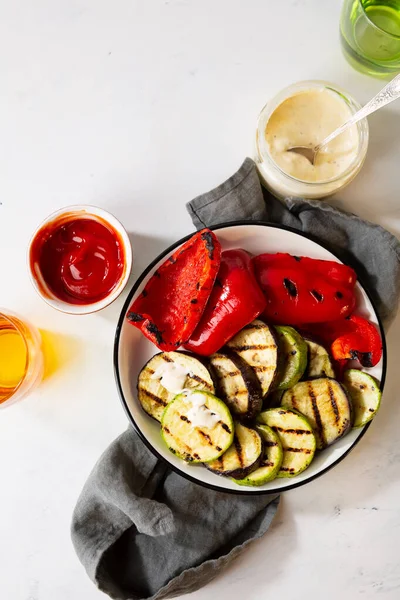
{"x": 389, "y": 93}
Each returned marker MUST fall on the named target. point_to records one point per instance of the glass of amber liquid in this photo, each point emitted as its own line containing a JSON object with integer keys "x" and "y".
{"x": 21, "y": 358}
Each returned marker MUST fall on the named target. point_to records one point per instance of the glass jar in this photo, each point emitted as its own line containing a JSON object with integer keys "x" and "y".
{"x": 283, "y": 185}
{"x": 21, "y": 358}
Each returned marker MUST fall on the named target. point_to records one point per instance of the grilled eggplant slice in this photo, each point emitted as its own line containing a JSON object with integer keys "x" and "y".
{"x": 273, "y": 399}
{"x": 319, "y": 361}
{"x": 256, "y": 344}
{"x": 365, "y": 395}
{"x": 197, "y": 427}
{"x": 296, "y": 436}
{"x": 243, "y": 457}
{"x": 293, "y": 359}
{"x": 326, "y": 405}
{"x": 237, "y": 384}
{"x": 153, "y": 396}
{"x": 271, "y": 460}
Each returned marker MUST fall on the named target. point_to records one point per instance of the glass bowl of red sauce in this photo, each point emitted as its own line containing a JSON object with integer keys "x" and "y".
{"x": 80, "y": 259}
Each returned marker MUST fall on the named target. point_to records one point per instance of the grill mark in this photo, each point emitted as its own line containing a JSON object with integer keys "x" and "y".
{"x": 315, "y": 294}
{"x": 371, "y": 410}
{"x": 295, "y": 431}
{"x": 287, "y": 469}
{"x": 303, "y": 450}
{"x": 333, "y": 402}
{"x": 267, "y": 463}
{"x": 200, "y": 380}
{"x": 150, "y": 370}
{"x": 233, "y": 373}
{"x": 293, "y": 401}
{"x": 254, "y": 347}
{"x": 270, "y": 444}
{"x": 166, "y": 358}
{"x": 238, "y": 448}
{"x": 317, "y": 416}
{"x": 153, "y": 329}
{"x": 184, "y": 418}
{"x": 154, "y": 397}
{"x": 206, "y": 437}
{"x": 218, "y": 448}
{"x": 263, "y": 368}
{"x": 291, "y": 287}
{"x": 225, "y": 427}
{"x": 166, "y": 430}
{"x": 207, "y": 237}
{"x": 196, "y": 456}
{"x": 135, "y": 317}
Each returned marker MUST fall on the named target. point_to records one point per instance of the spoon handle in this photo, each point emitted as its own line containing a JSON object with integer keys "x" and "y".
{"x": 390, "y": 92}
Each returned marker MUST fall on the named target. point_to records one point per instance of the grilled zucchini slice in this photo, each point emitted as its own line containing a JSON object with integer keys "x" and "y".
{"x": 197, "y": 427}
{"x": 243, "y": 457}
{"x": 293, "y": 357}
{"x": 153, "y": 396}
{"x": 256, "y": 344}
{"x": 271, "y": 460}
{"x": 319, "y": 361}
{"x": 296, "y": 436}
{"x": 326, "y": 405}
{"x": 365, "y": 395}
{"x": 237, "y": 384}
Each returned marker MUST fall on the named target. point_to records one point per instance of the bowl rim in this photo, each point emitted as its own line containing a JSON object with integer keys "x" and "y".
{"x": 125, "y": 404}
{"x": 90, "y": 210}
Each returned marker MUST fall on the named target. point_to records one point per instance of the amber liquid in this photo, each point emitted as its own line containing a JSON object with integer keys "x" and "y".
{"x": 13, "y": 357}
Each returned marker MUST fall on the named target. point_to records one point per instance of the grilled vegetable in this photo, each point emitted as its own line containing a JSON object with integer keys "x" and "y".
{"x": 273, "y": 399}
{"x": 257, "y": 345}
{"x": 293, "y": 351}
{"x": 365, "y": 395}
{"x": 325, "y": 404}
{"x": 362, "y": 342}
{"x": 296, "y": 436}
{"x": 173, "y": 300}
{"x": 235, "y": 301}
{"x": 271, "y": 460}
{"x": 319, "y": 361}
{"x": 197, "y": 427}
{"x": 304, "y": 290}
{"x": 153, "y": 396}
{"x": 242, "y": 457}
{"x": 237, "y": 384}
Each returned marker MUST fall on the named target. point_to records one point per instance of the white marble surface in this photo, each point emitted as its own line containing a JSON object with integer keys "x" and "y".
{"x": 138, "y": 106}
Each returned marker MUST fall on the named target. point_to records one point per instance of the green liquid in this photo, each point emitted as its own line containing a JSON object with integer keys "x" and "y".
{"x": 370, "y": 35}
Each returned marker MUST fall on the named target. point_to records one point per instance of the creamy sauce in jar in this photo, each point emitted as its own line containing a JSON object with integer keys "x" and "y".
{"x": 305, "y": 119}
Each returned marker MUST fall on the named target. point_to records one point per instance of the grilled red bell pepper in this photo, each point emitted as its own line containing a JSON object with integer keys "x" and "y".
{"x": 361, "y": 342}
{"x": 173, "y": 300}
{"x": 304, "y": 290}
{"x": 234, "y": 302}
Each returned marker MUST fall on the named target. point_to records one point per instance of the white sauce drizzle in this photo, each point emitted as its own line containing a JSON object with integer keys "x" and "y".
{"x": 172, "y": 377}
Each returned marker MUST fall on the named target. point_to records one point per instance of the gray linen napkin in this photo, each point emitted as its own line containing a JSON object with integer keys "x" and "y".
{"x": 371, "y": 250}
{"x": 141, "y": 530}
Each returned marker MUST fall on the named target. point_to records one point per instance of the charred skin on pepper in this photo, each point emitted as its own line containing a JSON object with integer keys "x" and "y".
{"x": 175, "y": 296}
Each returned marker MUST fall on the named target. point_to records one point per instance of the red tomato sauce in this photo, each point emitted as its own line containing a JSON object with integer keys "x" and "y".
{"x": 81, "y": 259}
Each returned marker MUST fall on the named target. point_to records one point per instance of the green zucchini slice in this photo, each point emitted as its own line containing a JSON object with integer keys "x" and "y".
{"x": 153, "y": 396}
{"x": 365, "y": 395}
{"x": 296, "y": 436}
{"x": 242, "y": 457}
{"x": 271, "y": 460}
{"x": 319, "y": 361}
{"x": 293, "y": 357}
{"x": 237, "y": 384}
{"x": 197, "y": 427}
{"x": 256, "y": 344}
{"x": 326, "y": 405}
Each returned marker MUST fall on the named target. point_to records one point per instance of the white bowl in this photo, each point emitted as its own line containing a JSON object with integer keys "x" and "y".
{"x": 132, "y": 350}
{"x": 40, "y": 284}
